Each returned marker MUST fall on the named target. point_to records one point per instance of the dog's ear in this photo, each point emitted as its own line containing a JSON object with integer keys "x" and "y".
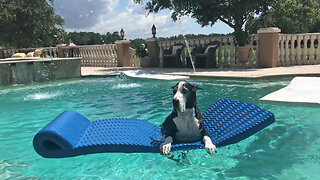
{"x": 196, "y": 87}
{"x": 175, "y": 86}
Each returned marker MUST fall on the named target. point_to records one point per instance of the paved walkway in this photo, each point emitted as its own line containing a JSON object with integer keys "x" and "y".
{"x": 221, "y": 73}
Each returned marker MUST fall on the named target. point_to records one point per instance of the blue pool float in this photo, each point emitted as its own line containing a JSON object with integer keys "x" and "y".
{"x": 71, "y": 134}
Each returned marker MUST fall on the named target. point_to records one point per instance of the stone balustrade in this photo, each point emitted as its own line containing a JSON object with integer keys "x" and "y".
{"x": 47, "y": 52}
{"x": 225, "y": 54}
{"x": 92, "y": 55}
{"x": 134, "y": 59}
{"x": 50, "y": 52}
{"x": 98, "y": 55}
{"x": 291, "y": 49}
{"x": 299, "y": 49}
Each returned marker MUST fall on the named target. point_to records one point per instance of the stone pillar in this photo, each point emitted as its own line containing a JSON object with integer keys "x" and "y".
{"x": 153, "y": 52}
{"x": 123, "y": 53}
{"x": 62, "y": 49}
{"x": 269, "y": 47}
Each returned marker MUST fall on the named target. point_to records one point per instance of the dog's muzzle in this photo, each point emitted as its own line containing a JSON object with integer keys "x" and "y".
{"x": 176, "y": 104}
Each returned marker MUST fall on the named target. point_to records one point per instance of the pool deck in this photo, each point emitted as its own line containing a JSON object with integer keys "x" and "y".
{"x": 214, "y": 73}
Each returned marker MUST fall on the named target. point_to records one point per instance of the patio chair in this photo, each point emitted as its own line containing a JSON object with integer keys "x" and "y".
{"x": 205, "y": 57}
{"x": 172, "y": 57}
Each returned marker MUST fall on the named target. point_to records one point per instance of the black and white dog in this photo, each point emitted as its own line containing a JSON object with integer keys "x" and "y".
{"x": 184, "y": 124}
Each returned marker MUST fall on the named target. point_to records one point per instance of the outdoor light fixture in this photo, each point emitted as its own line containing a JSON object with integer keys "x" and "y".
{"x": 269, "y": 19}
{"x": 122, "y": 33}
{"x": 154, "y": 31}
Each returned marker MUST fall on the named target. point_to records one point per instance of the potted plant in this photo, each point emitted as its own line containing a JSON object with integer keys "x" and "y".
{"x": 243, "y": 50}
{"x": 142, "y": 53}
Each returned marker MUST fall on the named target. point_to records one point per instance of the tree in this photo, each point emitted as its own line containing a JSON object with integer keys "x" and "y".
{"x": 91, "y": 38}
{"x": 291, "y": 16}
{"x": 29, "y": 23}
{"x": 234, "y": 13}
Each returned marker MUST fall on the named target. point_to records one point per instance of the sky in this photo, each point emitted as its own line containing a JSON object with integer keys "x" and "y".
{"x": 104, "y": 16}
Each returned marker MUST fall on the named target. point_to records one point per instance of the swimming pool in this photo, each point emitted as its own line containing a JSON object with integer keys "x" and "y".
{"x": 290, "y": 148}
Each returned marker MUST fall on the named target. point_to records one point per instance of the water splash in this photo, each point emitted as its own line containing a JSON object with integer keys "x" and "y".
{"x": 41, "y": 96}
{"x": 185, "y": 41}
{"x": 189, "y": 52}
{"x": 127, "y": 86}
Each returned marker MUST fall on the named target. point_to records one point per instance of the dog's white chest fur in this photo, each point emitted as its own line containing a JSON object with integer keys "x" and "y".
{"x": 187, "y": 126}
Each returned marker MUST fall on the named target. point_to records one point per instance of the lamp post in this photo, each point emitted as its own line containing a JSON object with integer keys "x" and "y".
{"x": 154, "y": 31}
{"x": 122, "y": 33}
{"x": 269, "y": 19}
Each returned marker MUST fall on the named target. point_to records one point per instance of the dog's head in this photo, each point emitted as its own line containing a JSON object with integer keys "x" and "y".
{"x": 184, "y": 96}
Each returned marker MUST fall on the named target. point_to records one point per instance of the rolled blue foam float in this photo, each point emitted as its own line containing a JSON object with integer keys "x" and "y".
{"x": 71, "y": 134}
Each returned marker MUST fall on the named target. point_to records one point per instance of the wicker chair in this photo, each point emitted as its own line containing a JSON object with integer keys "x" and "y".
{"x": 205, "y": 57}
{"x": 172, "y": 57}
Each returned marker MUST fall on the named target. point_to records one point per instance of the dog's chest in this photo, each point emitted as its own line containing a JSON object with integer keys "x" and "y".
{"x": 188, "y": 127}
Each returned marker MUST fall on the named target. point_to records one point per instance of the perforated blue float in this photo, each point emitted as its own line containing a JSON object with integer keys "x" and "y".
{"x": 71, "y": 134}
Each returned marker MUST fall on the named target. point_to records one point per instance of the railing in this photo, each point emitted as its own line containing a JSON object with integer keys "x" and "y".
{"x": 134, "y": 59}
{"x": 225, "y": 54}
{"x": 98, "y": 55}
{"x": 47, "y": 52}
{"x": 92, "y": 55}
{"x": 299, "y": 49}
{"x": 50, "y": 52}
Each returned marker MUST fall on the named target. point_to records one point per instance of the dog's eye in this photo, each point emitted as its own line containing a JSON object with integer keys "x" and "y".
{"x": 184, "y": 90}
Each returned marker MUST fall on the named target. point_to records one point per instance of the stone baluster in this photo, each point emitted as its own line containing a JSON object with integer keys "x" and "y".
{"x": 109, "y": 51}
{"x": 105, "y": 55}
{"x": 312, "y": 50}
{"x": 109, "y": 60}
{"x": 299, "y": 59}
{"x": 232, "y": 53}
{"x": 318, "y": 50}
{"x": 220, "y": 54}
{"x": 94, "y": 56}
{"x": 292, "y": 60}
{"x": 96, "y": 52}
{"x": 88, "y": 50}
{"x": 287, "y": 52}
{"x": 91, "y": 55}
{"x": 98, "y": 57}
{"x": 225, "y": 51}
{"x": 104, "y": 60}
{"x": 305, "y": 49}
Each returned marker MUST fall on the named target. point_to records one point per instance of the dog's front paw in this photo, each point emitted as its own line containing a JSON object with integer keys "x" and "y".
{"x": 165, "y": 148}
{"x": 211, "y": 148}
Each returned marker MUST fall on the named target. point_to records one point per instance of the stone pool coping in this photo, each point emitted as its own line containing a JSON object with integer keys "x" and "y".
{"x": 211, "y": 73}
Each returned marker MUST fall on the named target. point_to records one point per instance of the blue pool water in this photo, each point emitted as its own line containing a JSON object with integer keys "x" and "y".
{"x": 288, "y": 149}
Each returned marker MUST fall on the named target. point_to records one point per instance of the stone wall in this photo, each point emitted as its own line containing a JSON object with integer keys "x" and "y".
{"x": 29, "y": 71}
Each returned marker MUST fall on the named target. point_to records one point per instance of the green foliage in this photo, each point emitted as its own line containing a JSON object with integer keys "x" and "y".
{"x": 141, "y": 51}
{"x": 241, "y": 38}
{"x": 136, "y": 43}
{"x": 29, "y": 23}
{"x": 291, "y": 16}
{"x": 192, "y": 36}
{"x": 232, "y": 12}
{"x": 91, "y": 38}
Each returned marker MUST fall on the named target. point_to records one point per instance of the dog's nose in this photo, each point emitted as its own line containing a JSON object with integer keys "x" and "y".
{"x": 175, "y": 102}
